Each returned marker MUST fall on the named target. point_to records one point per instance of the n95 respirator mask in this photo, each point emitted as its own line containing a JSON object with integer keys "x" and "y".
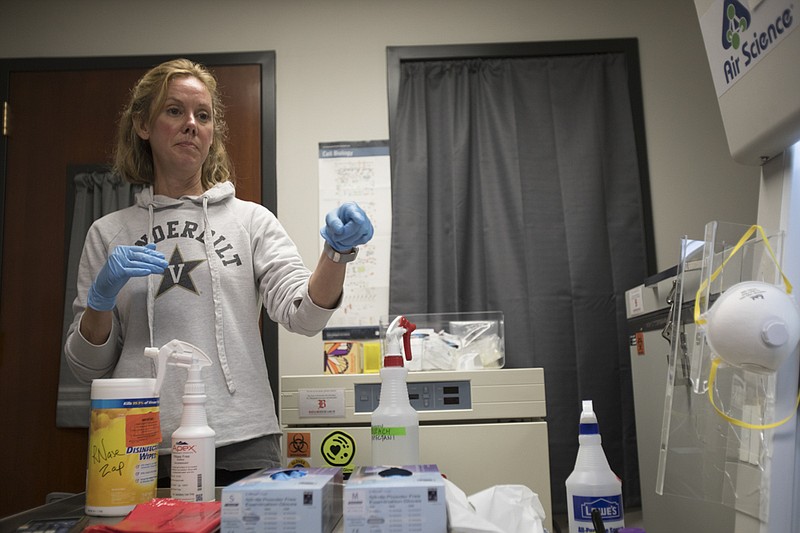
{"x": 753, "y": 325}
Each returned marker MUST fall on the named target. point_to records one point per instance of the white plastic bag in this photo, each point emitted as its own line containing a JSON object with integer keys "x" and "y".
{"x": 498, "y": 509}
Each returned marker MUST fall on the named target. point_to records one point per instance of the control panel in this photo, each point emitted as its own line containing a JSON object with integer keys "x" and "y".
{"x": 424, "y": 396}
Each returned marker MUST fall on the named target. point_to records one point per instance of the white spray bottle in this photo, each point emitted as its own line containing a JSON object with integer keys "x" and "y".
{"x": 193, "y": 453}
{"x": 395, "y": 423}
{"x": 592, "y": 485}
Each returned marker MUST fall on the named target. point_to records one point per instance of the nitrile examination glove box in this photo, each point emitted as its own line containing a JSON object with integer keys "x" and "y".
{"x": 396, "y": 499}
{"x": 283, "y": 500}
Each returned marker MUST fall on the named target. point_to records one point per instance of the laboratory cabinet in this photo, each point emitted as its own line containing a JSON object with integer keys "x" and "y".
{"x": 481, "y": 428}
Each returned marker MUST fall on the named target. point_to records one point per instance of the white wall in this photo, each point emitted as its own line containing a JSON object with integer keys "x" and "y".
{"x": 331, "y": 84}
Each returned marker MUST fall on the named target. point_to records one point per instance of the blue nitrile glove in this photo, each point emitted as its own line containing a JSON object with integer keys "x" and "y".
{"x": 124, "y": 263}
{"x": 346, "y": 227}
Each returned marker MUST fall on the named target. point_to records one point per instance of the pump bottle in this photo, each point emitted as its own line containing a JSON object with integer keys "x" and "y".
{"x": 592, "y": 484}
{"x": 395, "y": 423}
{"x": 193, "y": 453}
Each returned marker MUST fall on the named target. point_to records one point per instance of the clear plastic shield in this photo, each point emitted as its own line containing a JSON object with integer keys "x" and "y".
{"x": 704, "y": 456}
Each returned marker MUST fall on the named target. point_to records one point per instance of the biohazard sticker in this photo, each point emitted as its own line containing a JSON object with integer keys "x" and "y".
{"x": 298, "y": 445}
{"x": 338, "y": 449}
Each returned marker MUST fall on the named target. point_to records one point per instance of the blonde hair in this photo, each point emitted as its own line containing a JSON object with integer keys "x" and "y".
{"x": 133, "y": 158}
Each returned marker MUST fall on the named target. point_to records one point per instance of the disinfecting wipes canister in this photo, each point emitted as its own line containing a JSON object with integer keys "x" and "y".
{"x": 124, "y": 435}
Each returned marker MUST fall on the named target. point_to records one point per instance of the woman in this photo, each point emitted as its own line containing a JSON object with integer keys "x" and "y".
{"x": 190, "y": 261}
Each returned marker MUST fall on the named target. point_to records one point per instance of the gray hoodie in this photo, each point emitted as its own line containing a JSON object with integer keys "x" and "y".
{"x": 210, "y": 296}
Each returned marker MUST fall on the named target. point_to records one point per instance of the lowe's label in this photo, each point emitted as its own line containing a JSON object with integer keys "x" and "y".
{"x": 738, "y": 34}
{"x": 610, "y": 507}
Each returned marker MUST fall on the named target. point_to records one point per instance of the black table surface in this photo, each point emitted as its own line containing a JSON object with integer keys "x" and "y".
{"x": 68, "y": 507}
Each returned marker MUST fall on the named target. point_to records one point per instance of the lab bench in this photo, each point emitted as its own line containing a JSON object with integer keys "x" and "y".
{"x": 73, "y": 507}
{"x": 68, "y": 507}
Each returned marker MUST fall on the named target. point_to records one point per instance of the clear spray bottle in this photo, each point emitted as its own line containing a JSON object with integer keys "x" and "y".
{"x": 395, "y": 423}
{"x": 193, "y": 453}
{"x": 592, "y": 484}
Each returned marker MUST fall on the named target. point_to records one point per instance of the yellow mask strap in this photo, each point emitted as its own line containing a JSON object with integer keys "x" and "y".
{"x": 735, "y": 421}
{"x": 700, "y": 320}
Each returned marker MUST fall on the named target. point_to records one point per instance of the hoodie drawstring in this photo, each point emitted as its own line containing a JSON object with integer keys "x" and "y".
{"x": 216, "y": 298}
{"x": 151, "y": 300}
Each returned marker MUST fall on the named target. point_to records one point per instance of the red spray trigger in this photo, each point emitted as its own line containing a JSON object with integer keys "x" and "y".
{"x": 409, "y": 327}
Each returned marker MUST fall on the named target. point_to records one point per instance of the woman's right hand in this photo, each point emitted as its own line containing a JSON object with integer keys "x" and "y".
{"x": 124, "y": 263}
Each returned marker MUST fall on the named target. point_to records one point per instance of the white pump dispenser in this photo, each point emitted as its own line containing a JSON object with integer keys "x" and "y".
{"x": 193, "y": 453}
{"x": 592, "y": 484}
{"x": 395, "y": 423}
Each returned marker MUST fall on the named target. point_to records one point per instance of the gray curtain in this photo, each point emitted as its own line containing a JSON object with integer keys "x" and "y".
{"x": 516, "y": 187}
{"x": 96, "y": 192}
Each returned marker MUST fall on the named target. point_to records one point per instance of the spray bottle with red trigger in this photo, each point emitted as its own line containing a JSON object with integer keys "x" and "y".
{"x": 395, "y": 423}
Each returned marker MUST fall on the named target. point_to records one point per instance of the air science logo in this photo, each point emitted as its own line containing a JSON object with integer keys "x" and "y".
{"x": 745, "y": 47}
{"x": 735, "y": 21}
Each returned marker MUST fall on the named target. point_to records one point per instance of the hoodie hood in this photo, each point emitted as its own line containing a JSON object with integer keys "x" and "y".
{"x": 218, "y": 193}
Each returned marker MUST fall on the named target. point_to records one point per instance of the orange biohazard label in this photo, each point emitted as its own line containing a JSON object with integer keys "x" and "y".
{"x": 298, "y": 444}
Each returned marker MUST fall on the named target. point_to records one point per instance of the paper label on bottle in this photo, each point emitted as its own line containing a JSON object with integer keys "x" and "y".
{"x": 610, "y": 507}
{"x": 381, "y": 432}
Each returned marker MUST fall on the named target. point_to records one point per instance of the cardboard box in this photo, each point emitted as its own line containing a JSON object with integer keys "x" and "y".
{"x": 284, "y": 500}
{"x": 342, "y": 357}
{"x": 382, "y": 499}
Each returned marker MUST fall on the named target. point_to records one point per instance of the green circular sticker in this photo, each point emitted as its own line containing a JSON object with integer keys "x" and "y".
{"x": 338, "y": 448}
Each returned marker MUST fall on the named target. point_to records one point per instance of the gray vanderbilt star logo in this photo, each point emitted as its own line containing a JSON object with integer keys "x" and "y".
{"x": 177, "y": 273}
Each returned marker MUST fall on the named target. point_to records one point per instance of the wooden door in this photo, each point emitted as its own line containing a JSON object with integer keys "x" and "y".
{"x": 62, "y": 118}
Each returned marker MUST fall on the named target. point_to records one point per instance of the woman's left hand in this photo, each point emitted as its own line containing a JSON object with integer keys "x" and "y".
{"x": 346, "y": 227}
